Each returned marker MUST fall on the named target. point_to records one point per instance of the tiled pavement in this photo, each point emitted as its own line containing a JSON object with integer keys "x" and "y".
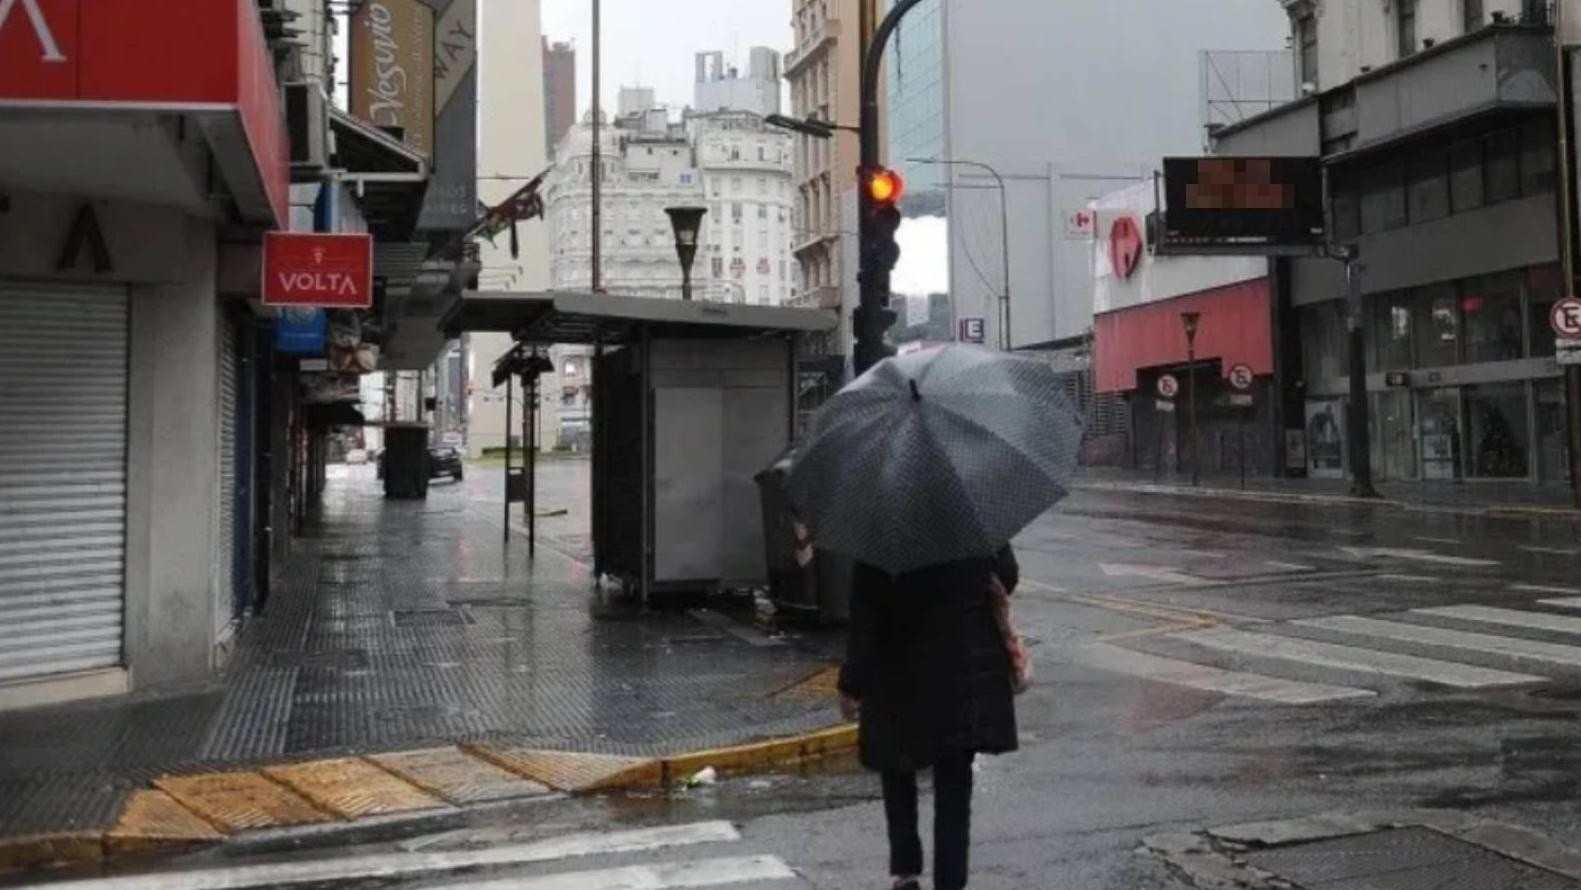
{"x": 403, "y": 624}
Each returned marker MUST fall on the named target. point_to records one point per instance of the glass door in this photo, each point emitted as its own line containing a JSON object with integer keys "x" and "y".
{"x": 1438, "y": 425}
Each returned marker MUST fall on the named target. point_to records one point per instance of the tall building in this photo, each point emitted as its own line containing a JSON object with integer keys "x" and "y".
{"x": 511, "y": 150}
{"x": 1057, "y": 134}
{"x": 559, "y": 92}
{"x": 748, "y": 179}
{"x": 824, "y": 75}
{"x": 726, "y": 89}
{"x": 1435, "y": 123}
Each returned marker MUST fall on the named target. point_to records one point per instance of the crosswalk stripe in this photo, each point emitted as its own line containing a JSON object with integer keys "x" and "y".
{"x": 1367, "y": 661}
{"x": 1466, "y": 641}
{"x": 669, "y": 876}
{"x": 1544, "y": 588}
{"x": 1508, "y": 618}
{"x": 1211, "y": 679}
{"x": 1567, "y": 603}
{"x": 399, "y": 865}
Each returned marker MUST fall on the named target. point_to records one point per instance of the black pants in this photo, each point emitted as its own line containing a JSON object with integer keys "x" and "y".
{"x": 952, "y": 826}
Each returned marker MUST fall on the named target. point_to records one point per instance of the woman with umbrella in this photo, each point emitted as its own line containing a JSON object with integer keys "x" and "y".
{"x": 922, "y": 471}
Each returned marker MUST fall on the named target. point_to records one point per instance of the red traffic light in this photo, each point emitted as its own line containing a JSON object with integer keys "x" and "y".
{"x": 885, "y": 186}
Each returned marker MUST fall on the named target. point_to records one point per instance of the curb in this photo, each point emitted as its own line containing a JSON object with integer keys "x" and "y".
{"x": 180, "y": 813}
{"x": 1492, "y": 511}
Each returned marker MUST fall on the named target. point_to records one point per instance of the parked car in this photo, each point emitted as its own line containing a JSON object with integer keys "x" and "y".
{"x": 442, "y": 461}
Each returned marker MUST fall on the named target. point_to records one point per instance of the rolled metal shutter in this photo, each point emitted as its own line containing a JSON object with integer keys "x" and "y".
{"x": 63, "y": 392}
{"x": 225, "y": 539}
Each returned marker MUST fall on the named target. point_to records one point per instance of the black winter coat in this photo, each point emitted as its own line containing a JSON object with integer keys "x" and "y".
{"x": 927, "y": 661}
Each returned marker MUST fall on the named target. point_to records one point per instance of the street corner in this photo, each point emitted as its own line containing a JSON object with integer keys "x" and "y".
{"x": 1416, "y": 848}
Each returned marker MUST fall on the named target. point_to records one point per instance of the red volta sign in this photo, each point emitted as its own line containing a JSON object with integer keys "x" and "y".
{"x": 323, "y": 271}
{"x": 205, "y": 58}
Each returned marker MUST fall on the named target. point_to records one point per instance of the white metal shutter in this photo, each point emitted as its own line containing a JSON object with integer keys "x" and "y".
{"x": 63, "y": 378}
{"x": 225, "y": 539}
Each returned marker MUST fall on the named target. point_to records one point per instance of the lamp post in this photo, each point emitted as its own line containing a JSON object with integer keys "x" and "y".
{"x": 687, "y": 222}
{"x": 1005, "y": 342}
{"x": 1191, "y": 320}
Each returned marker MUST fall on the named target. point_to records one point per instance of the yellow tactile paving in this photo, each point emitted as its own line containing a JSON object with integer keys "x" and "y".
{"x": 457, "y": 776}
{"x": 353, "y": 788}
{"x": 761, "y": 756}
{"x": 153, "y": 820}
{"x": 235, "y": 802}
{"x": 574, "y": 773}
{"x": 820, "y": 687}
{"x": 54, "y": 849}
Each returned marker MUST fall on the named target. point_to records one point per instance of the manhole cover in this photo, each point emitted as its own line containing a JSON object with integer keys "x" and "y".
{"x": 1404, "y": 859}
{"x": 428, "y": 618}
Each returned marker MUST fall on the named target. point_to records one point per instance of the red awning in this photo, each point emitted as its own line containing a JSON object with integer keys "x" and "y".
{"x": 204, "y": 59}
{"x": 1235, "y": 328}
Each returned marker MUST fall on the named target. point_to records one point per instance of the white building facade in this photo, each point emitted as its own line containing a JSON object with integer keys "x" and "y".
{"x": 727, "y": 89}
{"x": 748, "y": 177}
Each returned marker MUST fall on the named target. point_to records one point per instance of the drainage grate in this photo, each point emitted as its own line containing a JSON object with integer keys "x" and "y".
{"x": 1404, "y": 859}
{"x": 429, "y": 618}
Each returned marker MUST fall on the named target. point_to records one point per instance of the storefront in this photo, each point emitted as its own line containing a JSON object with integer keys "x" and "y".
{"x": 124, "y": 165}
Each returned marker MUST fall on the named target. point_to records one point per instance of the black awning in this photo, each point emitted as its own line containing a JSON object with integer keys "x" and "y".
{"x": 554, "y": 317}
{"x": 391, "y": 177}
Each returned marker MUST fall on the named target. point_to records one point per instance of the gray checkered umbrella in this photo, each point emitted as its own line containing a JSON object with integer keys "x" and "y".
{"x": 935, "y": 456}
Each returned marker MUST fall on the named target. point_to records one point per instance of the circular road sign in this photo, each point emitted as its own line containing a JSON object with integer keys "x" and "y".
{"x": 1168, "y": 386}
{"x": 1242, "y": 377}
{"x": 1566, "y": 318}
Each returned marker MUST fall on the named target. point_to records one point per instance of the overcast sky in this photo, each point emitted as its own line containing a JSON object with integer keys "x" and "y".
{"x": 652, "y": 44}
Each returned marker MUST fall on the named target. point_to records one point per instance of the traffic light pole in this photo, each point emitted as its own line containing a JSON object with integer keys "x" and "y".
{"x": 873, "y": 316}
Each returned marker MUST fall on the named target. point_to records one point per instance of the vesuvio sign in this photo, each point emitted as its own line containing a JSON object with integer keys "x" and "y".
{"x": 392, "y": 68}
{"x": 322, "y": 271}
{"x": 203, "y": 58}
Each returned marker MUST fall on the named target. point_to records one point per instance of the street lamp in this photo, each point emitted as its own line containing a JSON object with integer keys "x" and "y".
{"x": 687, "y": 222}
{"x": 1004, "y": 228}
{"x": 1191, "y": 320}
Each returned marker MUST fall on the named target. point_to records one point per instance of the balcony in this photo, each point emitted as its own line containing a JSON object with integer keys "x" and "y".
{"x": 826, "y": 297}
{"x": 818, "y": 39}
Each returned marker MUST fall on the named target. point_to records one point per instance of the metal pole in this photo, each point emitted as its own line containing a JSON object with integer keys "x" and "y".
{"x": 1358, "y": 434}
{"x": 510, "y": 399}
{"x": 872, "y": 317}
{"x": 597, "y": 234}
{"x": 531, "y": 507}
{"x": 1243, "y": 450}
{"x": 1196, "y": 432}
{"x": 1567, "y": 247}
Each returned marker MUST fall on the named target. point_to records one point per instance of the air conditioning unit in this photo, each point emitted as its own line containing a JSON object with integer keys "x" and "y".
{"x": 307, "y": 116}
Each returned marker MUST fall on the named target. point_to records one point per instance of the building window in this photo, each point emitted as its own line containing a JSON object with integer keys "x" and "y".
{"x": 1490, "y": 310}
{"x": 1391, "y": 333}
{"x": 1503, "y": 166}
{"x": 1465, "y": 176}
{"x": 1429, "y": 187}
{"x": 718, "y": 267}
{"x": 735, "y": 211}
{"x": 1542, "y": 292}
{"x": 1383, "y": 203}
{"x": 1437, "y": 326}
{"x": 1323, "y": 341}
{"x": 1405, "y": 26}
{"x": 1471, "y": 11}
{"x": 1537, "y": 157}
{"x": 1307, "y": 38}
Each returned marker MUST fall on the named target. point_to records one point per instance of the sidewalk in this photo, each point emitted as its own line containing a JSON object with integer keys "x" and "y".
{"x": 405, "y": 625}
{"x": 1519, "y": 499}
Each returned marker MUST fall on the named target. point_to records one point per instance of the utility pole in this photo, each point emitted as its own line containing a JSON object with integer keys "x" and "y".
{"x": 1567, "y": 221}
{"x": 873, "y": 316}
{"x": 1191, "y": 320}
{"x": 1357, "y": 435}
{"x": 597, "y": 170}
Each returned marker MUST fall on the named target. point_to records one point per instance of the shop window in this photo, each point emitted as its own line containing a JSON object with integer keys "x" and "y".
{"x": 1429, "y": 187}
{"x": 1498, "y": 434}
{"x": 1391, "y": 333}
{"x": 1503, "y": 166}
{"x": 1542, "y": 292}
{"x": 1323, "y": 341}
{"x": 1437, "y": 326}
{"x": 1490, "y": 311}
{"x": 1383, "y": 204}
{"x": 1537, "y": 157}
{"x": 1552, "y": 432}
{"x": 1438, "y": 421}
{"x": 1465, "y": 176}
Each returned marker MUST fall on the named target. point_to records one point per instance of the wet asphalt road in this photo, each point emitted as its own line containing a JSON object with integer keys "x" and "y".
{"x": 1113, "y": 755}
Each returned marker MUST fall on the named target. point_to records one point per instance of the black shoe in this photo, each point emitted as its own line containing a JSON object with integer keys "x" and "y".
{"x": 908, "y": 884}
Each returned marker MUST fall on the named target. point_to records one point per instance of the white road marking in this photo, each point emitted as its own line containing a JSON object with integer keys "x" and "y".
{"x": 1417, "y": 556}
{"x": 1351, "y": 658}
{"x": 1409, "y": 579}
{"x": 1540, "y": 588}
{"x": 403, "y": 865}
{"x": 1556, "y": 551}
{"x": 1211, "y": 679}
{"x": 1289, "y": 566}
{"x": 668, "y": 876}
{"x": 1564, "y": 603}
{"x": 1450, "y": 541}
{"x": 1154, "y": 573}
{"x": 1464, "y": 641}
{"x": 1509, "y": 618}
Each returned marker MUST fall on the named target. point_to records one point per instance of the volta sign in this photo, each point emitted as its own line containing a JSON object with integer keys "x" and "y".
{"x": 317, "y": 270}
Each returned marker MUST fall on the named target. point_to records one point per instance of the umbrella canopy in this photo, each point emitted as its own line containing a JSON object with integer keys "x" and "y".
{"x": 936, "y": 456}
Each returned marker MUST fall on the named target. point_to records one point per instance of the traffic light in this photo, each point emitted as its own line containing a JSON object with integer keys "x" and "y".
{"x": 881, "y": 190}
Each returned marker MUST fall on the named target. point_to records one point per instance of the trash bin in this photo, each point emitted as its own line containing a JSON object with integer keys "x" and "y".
{"x": 406, "y": 461}
{"x": 813, "y": 585}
